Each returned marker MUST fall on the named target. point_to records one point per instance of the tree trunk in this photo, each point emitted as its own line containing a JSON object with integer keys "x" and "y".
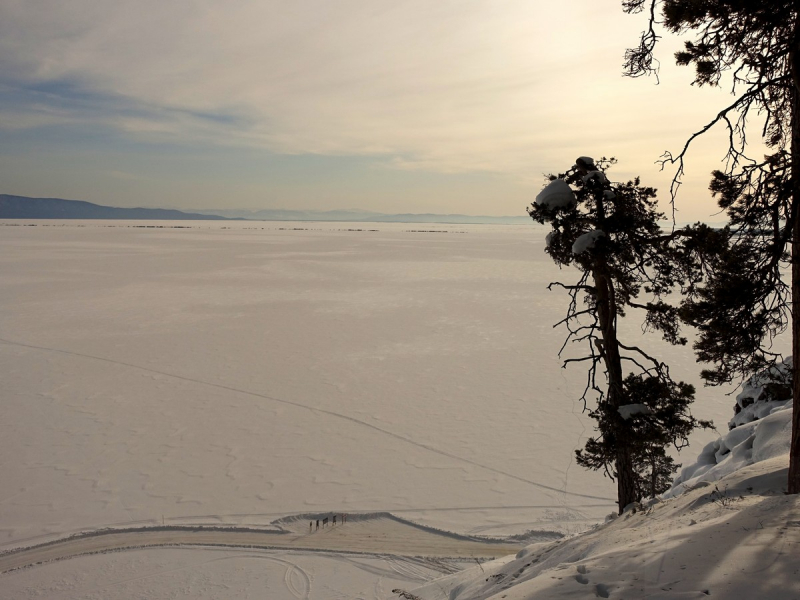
{"x": 794, "y": 452}
{"x": 606, "y": 315}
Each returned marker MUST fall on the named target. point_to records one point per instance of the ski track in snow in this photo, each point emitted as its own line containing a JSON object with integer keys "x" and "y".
{"x": 297, "y": 580}
{"x": 310, "y": 408}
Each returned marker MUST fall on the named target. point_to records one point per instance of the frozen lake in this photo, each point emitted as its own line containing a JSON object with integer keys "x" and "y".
{"x": 238, "y": 372}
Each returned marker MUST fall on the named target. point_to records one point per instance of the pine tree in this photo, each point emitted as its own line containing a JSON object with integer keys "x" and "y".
{"x": 610, "y": 232}
{"x": 746, "y": 304}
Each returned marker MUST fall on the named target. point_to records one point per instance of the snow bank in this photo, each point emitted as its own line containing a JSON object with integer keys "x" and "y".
{"x": 745, "y": 445}
{"x": 729, "y": 542}
{"x": 586, "y": 241}
{"x": 726, "y": 540}
{"x": 557, "y": 194}
{"x": 760, "y": 429}
{"x": 763, "y": 393}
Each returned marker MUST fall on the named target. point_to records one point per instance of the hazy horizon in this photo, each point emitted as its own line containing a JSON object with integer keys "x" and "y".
{"x": 392, "y": 107}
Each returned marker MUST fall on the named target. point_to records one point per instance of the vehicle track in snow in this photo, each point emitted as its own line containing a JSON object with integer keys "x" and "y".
{"x": 397, "y": 436}
{"x": 399, "y": 542}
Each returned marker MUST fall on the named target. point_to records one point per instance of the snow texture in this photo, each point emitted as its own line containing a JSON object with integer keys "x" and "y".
{"x": 556, "y": 194}
{"x": 230, "y": 373}
{"x": 235, "y": 372}
{"x": 586, "y": 241}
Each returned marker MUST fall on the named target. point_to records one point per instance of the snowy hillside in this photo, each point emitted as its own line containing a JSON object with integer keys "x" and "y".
{"x": 725, "y": 530}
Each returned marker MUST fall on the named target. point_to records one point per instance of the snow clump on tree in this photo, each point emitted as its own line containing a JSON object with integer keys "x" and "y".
{"x": 586, "y": 241}
{"x": 557, "y": 194}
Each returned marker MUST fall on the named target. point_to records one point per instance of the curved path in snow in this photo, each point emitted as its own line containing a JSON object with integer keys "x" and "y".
{"x": 381, "y": 534}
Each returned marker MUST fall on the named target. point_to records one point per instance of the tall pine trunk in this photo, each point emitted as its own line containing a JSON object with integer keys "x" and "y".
{"x": 606, "y": 315}
{"x": 794, "y": 453}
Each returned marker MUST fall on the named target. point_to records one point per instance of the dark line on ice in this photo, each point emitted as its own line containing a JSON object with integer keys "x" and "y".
{"x": 313, "y": 409}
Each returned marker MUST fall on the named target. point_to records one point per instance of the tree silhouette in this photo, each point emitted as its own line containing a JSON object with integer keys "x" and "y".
{"x": 610, "y": 233}
{"x": 746, "y": 302}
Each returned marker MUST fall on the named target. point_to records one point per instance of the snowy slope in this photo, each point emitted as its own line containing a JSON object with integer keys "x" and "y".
{"x": 728, "y": 531}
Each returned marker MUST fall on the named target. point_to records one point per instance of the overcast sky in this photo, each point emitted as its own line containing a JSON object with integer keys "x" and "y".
{"x": 446, "y": 106}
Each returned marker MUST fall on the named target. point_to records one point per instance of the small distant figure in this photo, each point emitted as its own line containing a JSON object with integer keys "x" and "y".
{"x": 344, "y": 518}
{"x": 324, "y": 522}
{"x": 334, "y": 519}
{"x": 317, "y": 524}
{"x": 310, "y": 526}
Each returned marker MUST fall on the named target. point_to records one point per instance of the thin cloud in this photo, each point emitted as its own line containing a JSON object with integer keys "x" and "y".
{"x": 497, "y": 86}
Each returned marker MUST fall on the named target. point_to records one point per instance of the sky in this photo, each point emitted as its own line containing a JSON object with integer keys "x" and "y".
{"x": 391, "y": 106}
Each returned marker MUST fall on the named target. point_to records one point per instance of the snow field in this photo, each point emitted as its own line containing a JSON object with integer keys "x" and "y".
{"x": 236, "y": 373}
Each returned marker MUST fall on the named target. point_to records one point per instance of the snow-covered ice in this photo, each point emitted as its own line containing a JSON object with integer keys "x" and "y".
{"x": 239, "y": 372}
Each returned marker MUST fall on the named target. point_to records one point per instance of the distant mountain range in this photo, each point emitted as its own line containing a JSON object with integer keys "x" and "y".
{"x": 21, "y": 207}
{"x": 355, "y": 216}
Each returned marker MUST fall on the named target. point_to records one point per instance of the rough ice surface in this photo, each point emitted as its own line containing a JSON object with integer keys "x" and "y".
{"x": 586, "y": 241}
{"x": 630, "y": 410}
{"x": 556, "y": 194}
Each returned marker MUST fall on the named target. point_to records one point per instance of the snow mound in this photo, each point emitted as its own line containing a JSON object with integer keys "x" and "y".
{"x": 722, "y": 530}
{"x": 763, "y": 393}
{"x": 742, "y": 446}
{"x": 586, "y": 241}
{"x": 726, "y": 540}
{"x": 556, "y": 194}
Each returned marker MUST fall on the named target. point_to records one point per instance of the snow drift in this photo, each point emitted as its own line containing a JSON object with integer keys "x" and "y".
{"x": 725, "y": 529}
